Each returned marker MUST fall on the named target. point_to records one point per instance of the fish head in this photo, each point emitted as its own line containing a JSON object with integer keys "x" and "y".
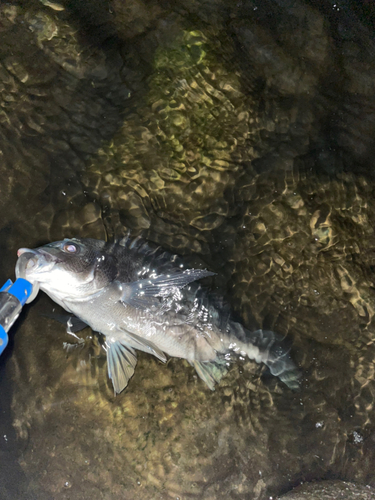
{"x": 67, "y": 270}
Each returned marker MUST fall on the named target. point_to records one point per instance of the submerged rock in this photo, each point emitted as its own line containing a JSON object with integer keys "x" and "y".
{"x": 330, "y": 490}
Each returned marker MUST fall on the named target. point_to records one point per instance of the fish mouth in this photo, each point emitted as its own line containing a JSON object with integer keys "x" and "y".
{"x": 27, "y": 260}
{"x": 30, "y": 264}
{"x": 37, "y": 253}
{"x": 22, "y": 251}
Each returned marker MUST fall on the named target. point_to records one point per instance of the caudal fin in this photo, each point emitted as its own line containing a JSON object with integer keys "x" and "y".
{"x": 271, "y": 349}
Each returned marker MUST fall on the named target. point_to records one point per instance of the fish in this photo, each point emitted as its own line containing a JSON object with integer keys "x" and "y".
{"x": 140, "y": 297}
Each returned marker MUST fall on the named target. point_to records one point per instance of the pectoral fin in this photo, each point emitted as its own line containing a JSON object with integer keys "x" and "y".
{"x": 121, "y": 360}
{"x": 143, "y": 294}
{"x": 73, "y": 324}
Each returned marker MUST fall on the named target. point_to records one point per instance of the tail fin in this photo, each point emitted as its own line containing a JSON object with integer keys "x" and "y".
{"x": 272, "y": 350}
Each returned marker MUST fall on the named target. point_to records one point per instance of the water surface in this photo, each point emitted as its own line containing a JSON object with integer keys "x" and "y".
{"x": 240, "y": 135}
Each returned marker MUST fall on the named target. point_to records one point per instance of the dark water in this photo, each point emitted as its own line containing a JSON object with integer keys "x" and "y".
{"x": 241, "y": 134}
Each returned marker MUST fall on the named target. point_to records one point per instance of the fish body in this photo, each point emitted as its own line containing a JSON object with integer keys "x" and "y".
{"x": 143, "y": 298}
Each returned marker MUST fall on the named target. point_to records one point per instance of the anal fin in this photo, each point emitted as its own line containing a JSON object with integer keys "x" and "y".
{"x": 211, "y": 372}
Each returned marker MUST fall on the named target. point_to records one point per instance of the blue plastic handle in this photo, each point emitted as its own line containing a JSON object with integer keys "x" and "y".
{"x": 21, "y": 289}
{"x": 6, "y": 286}
{"x": 3, "y": 339}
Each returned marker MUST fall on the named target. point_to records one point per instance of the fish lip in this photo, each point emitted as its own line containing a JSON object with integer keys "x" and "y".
{"x": 21, "y": 251}
{"x": 39, "y": 251}
{"x": 43, "y": 262}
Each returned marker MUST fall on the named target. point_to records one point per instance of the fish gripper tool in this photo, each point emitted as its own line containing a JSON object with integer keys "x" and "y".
{"x": 13, "y": 297}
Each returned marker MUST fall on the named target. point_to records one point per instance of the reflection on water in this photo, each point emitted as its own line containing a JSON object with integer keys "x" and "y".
{"x": 243, "y": 134}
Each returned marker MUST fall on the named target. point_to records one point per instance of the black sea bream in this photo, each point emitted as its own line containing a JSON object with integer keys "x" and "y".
{"x": 142, "y": 298}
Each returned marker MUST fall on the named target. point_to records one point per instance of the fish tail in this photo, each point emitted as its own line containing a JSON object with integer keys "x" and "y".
{"x": 270, "y": 348}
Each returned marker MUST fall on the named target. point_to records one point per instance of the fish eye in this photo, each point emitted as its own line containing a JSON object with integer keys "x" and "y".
{"x": 70, "y": 248}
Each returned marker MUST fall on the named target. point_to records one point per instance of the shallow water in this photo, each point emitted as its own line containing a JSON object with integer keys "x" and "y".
{"x": 240, "y": 135}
